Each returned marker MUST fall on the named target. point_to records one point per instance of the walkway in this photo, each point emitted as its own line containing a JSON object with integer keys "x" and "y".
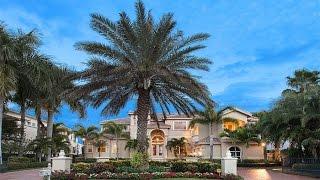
{"x": 266, "y": 174}
{"x": 30, "y": 174}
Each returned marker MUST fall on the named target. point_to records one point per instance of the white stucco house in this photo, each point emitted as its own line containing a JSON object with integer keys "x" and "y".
{"x": 177, "y": 126}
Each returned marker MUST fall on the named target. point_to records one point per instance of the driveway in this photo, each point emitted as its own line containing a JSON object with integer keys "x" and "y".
{"x": 30, "y": 174}
{"x": 266, "y": 174}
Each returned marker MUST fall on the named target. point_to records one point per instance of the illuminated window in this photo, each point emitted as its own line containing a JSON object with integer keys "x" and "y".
{"x": 180, "y": 125}
{"x": 102, "y": 149}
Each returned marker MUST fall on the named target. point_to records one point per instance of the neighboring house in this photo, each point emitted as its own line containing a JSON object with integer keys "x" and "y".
{"x": 31, "y": 126}
{"x": 176, "y": 126}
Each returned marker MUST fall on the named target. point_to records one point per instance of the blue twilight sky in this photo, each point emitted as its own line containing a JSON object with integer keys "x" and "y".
{"x": 254, "y": 45}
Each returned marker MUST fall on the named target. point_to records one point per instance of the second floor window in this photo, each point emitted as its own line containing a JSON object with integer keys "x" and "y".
{"x": 180, "y": 125}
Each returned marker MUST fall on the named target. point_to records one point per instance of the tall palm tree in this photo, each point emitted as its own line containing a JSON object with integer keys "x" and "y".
{"x": 86, "y": 134}
{"x": 209, "y": 117}
{"x": 117, "y": 131}
{"x": 143, "y": 59}
{"x": 26, "y": 45}
{"x": 178, "y": 146}
{"x": 56, "y": 97}
{"x": 7, "y": 70}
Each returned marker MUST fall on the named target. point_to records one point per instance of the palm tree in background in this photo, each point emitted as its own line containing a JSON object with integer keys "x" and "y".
{"x": 242, "y": 135}
{"x": 178, "y": 146}
{"x": 210, "y": 117}
{"x": 303, "y": 79}
{"x": 132, "y": 144}
{"x": 144, "y": 59}
{"x": 86, "y": 134}
{"x": 8, "y": 77}
{"x": 117, "y": 131}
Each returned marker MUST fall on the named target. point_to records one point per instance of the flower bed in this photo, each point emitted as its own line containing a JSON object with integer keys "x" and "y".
{"x": 123, "y": 170}
{"x": 125, "y": 175}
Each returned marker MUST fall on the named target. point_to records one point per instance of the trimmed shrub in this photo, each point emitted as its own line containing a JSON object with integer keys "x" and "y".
{"x": 202, "y": 167}
{"x": 85, "y": 160}
{"x": 160, "y": 163}
{"x": 179, "y": 166}
{"x": 100, "y": 167}
{"x": 153, "y": 169}
{"x": 301, "y": 166}
{"x": 127, "y": 169}
{"x": 119, "y": 163}
{"x": 232, "y": 177}
{"x": 18, "y": 159}
{"x": 80, "y": 167}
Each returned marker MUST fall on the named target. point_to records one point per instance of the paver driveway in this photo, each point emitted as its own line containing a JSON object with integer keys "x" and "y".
{"x": 30, "y": 174}
{"x": 267, "y": 174}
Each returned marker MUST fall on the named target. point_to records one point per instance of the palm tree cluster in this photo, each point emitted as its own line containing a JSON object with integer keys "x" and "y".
{"x": 178, "y": 146}
{"x": 110, "y": 131}
{"x": 295, "y": 117}
{"x": 32, "y": 80}
{"x": 146, "y": 60}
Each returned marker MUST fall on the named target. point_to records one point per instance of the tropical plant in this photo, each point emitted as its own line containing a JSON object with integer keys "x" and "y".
{"x": 117, "y": 132}
{"x": 142, "y": 59}
{"x": 132, "y": 144}
{"x": 87, "y": 134}
{"x": 210, "y": 117}
{"x": 61, "y": 83}
{"x": 178, "y": 146}
{"x": 242, "y": 135}
{"x": 295, "y": 117}
{"x": 7, "y": 70}
{"x": 99, "y": 143}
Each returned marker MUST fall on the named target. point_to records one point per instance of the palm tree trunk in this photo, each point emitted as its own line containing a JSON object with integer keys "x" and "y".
{"x": 49, "y": 131}
{"x": 38, "y": 117}
{"x": 277, "y": 151}
{"x": 23, "y": 122}
{"x": 211, "y": 141}
{"x": 1, "y": 116}
{"x": 142, "y": 112}
{"x": 117, "y": 144}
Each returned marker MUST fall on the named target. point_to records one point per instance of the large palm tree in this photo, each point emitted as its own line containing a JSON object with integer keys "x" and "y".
{"x": 26, "y": 45}
{"x": 144, "y": 59}
{"x": 56, "y": 97}
{"x": 117, "y": 131}
{"x": 7, "y": 70}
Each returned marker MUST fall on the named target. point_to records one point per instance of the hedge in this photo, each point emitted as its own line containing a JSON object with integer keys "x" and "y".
{"x": 11, "y": 166}
{"x": 301, "y": 166}
{"x": 155, "y": 166}
{"x": 85, "y": 160}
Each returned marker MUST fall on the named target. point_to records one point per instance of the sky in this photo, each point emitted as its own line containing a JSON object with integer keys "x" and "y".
{"x": 254, "y": 45}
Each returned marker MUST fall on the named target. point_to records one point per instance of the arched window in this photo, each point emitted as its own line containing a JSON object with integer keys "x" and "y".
{"x": 157, "y": 142}
{"x": 235, "y": 152}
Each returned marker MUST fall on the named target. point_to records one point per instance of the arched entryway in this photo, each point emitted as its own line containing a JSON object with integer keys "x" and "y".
{"x": 157, "y": 143}
{"x": 235, "y": 152}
